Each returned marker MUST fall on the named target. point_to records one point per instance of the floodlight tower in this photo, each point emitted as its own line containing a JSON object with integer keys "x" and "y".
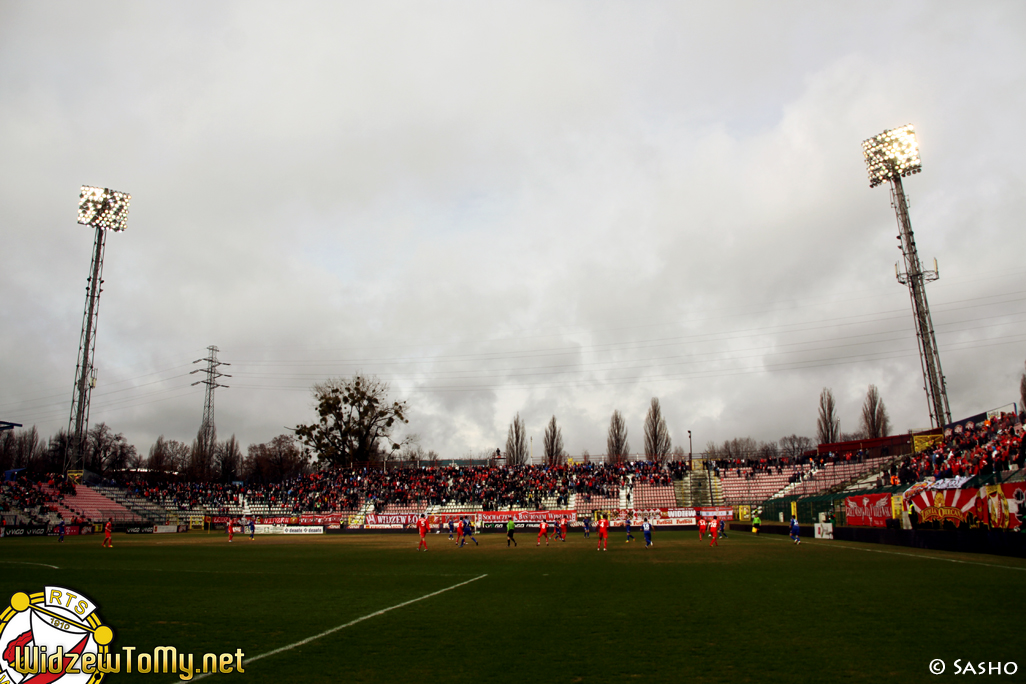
{"x": 208, "y": 433}
{"x": 103, "y": 209}
{"x": 890, "y": 156}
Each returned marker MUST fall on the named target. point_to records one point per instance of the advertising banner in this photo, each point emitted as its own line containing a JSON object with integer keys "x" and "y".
{"x": 954, "y": 505}
{"x": 139, "y": 529}
{"x": 71, "y": 530}
{"x": 165, "y": 529}
{"x": 321, "y": 518}
{"x": 869, "y": 510}
{"x": 824, "y": 530}
{"x": 394, "y": 519}
{"x": 725, "y": 512}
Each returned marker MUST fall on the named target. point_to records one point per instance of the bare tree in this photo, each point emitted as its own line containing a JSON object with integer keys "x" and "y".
{"x": 201, "y": 460}
{"x": 794, "y": 446}
{"x": 875, "y": 422}
{"x": 157, "y": 461}
{"x": 21, "y": 449}
{"x": 228, "y": 460}
{"x": 168, "y": 456}
{"x": 516, "y": 442}
{"x": 678, "y": 453}
{"x": 617, "y": 446}
{"x": 275, "y": 461}
{"x": 554, "y": 454}
{"x": 109, "y": 452}
{"x": 657, "y": 437}
{"x": 828, "y": 425}
{"x": 768, "y": 451}
{"x": 739, "y": 448}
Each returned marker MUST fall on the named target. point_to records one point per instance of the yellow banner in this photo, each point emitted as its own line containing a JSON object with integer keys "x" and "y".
{"x": 794, "y": 508}
{"x": 921, "y": 443}
{"x": 744, "y": 513}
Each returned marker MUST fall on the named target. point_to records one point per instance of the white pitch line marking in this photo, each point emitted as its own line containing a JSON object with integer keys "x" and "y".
{"x": 303, "y": 642}
{"x": 910, "y": 555}
{"x": 45, "y": 565}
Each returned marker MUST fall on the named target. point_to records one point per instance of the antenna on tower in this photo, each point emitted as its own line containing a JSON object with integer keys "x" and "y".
{"x": 208, "y": 433}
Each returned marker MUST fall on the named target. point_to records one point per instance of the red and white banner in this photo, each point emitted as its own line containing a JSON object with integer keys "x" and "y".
{"x": 392, "y": 519}
{"x": 869, "y": 510}
{"x": 725, "y": 512}
{"x": 321, "y": 518}
{"x": 954, "y": 505}
{"x": 1005, "y": 504}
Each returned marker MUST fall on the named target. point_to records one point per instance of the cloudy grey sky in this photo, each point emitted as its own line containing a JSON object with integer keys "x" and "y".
{"x": 547, "y": 208}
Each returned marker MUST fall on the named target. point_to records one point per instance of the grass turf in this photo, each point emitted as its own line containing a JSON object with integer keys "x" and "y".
{"x": 751, "y": 610}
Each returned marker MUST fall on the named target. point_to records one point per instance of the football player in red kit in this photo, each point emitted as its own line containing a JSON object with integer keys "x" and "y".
{"x": 603, "y": 531}
{"x": 422, "y": 527}
{"x": 562, "y": 529}
{"x": 107, "y": 529}
{"x": 701, "y": 529}
{"x": 231, "y": 529}
{"x": 543, "y": 531}
{"x": 714, "y": 533}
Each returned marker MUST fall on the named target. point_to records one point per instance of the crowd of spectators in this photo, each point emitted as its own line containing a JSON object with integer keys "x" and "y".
{"x": 347, "y": 489}
{"x": 991, "y": 446}
{"x": 797, "y": 466}
{"x": 35, "y": 496}
{"x": 215, "y": 497}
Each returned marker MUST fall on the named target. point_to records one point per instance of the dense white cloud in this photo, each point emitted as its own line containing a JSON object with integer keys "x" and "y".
{"x": 551, "y": 209}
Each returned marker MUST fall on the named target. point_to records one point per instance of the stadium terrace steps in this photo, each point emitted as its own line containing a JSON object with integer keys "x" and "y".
{"x": 585, "y": 505}
{"x": 752, "y": 488}
{"x": 91, "y": 505}
{"x": 654, "y": 496}
{"x": 681, "y": 493}
{"x": 144, "y": 508}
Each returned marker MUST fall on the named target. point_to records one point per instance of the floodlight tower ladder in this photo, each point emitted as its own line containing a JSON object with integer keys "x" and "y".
{"x": 208, "y": 432}
{"x": 85, "y": 370}
{"x": 916, "y": 278}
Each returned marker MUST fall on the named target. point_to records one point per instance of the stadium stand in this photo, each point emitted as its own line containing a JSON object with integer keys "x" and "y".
{"x": 87, "y": 504}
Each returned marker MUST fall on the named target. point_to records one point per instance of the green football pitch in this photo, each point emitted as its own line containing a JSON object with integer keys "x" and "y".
{"x": 751, "y": 610}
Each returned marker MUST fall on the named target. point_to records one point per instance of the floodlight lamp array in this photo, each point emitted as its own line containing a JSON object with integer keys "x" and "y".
{"x": 892, "y": 154}
{"x": 103, "y": 208}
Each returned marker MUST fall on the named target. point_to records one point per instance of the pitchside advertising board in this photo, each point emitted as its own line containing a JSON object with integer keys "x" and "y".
{"x": 498, "y": 519}
{"x": 334, "y": 522}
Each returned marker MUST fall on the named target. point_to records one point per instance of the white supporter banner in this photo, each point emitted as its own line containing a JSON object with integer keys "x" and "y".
{"x": 824, "y": 530}
{"x": 165, "y": 529}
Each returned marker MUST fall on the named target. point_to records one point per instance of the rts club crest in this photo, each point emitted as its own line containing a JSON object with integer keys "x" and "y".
{"x": 50, "y": 636}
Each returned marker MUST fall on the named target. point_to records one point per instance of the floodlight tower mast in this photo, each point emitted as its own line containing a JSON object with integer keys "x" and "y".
{"x": 208, "y": 432}
{"x": 103, "y": 209}
{"x": 890, "y": 156}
